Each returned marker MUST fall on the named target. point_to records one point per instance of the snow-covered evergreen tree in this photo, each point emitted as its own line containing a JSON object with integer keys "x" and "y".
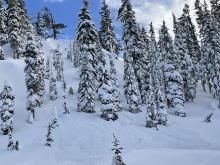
{"x": 47, "y": 68}
{"x": 152, "y": 116}
{"x": 172, "y": 79}
{"x": 87, "y": 40}
{"x": 115, "y": 84}
{"x": 192, "y": 42}
{"x": 14, "y": 31}
{"x": 3, "y": 27}
{"x": 42, "y": 73}
{"x": 132, "y": 56}
{"x": 107, "y": 36}
{"x": 53, "y": 87}
{"x": 117, "y": 159}
{"x": 108, "y": 107}
{"x": 7, "y": 109}
{"x": 71, "y": 92}
{"x": 144, "y": 72}
{"x": 66, "y": 110}
{"x": 49, "y": 140}
{"x": 156, "y": 75}
{"x": 58, "y": 64}
{"x": 182, "y": 49}
{"x": 34, "y": 76}
{"x": 193, "y": 48}
{"x": 132, "y": 92}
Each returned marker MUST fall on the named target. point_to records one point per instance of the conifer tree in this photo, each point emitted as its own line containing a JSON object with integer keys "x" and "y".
{"x": 117, "y": 159}
{"x": 47, "y": 69}
{"x": 7, "y": 108}
{"x": 115, "y": 84}
{"x": 152, "y": 116}
{"x": 131, "y": 89}
{"x": 144, "y": 71}
{"x": 172, "y": 79}
{"x": 132, "y": 56}
{"x": 107, "y": 36}
{"x": 108, "y": 107}
{"x": 2, "y": 56}
{"x": 156, "y": 75}
{"x": 3, "y": 27}
{"x": 14, "y": 31}
{"x": 184, "y": 52}
{"x": 49, "y": 140}
{"x": 71, "y": 91}
{"x": 66, "y": 110}
{"x": 204, "y": 21}
{"x": 53, "y": 87}
{"x": 188, "y": 31}
{"x": 58, "y": 64}
{"x": 87, "y": 40}
{"x": 192, "y": 41}
{"x": 41, "y": 83}
{"x": 34, "y": 76}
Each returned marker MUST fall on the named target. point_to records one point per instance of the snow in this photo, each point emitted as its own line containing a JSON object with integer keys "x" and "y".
{"x": 86, "y": 139}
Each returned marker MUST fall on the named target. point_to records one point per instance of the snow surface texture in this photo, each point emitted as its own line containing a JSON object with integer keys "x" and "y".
{"x": 86, "y": 139}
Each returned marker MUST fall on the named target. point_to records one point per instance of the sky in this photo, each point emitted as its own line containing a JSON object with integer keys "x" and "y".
{"x": 66, "y": 11}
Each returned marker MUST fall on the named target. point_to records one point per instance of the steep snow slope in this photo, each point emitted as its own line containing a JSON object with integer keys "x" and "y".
{"x": 85, "y": 139}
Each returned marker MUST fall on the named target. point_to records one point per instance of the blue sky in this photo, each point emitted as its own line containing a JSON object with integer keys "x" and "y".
{"x": 66, "y": 11}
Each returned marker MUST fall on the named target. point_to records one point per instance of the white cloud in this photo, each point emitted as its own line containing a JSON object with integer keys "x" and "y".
{"x": 156, "y": 11}
{"x": 52, "y": 1}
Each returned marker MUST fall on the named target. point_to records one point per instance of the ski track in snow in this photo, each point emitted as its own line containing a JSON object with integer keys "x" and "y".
{"x": 86, "y": 139}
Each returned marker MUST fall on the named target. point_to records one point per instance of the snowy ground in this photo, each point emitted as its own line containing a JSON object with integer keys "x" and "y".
{"x": 86, "y": 139}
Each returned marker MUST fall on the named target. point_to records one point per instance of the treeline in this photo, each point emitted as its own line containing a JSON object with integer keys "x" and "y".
{"x": 157, "y": 74}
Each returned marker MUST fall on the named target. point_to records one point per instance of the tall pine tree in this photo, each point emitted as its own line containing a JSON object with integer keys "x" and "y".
{"x": 33, "y": 75}
{"x": 132, "y": 56}
{"x": 107, "y": 36}
{"x": 182, "y": 45}
{"x": 87, "y": 40}
{"x": 172, "y": 79}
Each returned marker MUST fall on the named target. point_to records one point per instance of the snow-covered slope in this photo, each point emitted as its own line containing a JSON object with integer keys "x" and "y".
{"x": 86, "y": 139}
